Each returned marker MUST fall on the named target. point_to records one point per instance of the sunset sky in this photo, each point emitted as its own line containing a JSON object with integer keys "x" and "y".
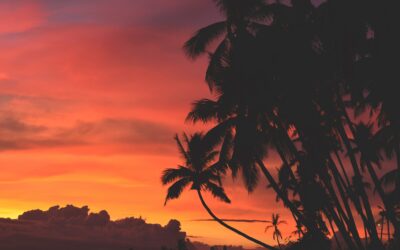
{"x": 91, "y": 94}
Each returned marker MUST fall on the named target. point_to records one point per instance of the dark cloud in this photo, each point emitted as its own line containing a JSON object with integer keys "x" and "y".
{"x": 167, "y": 14}
{"x": 72, "y": 227}
{"x": 125, "y": 131}
{"x": 13, "y": 125}
{"x": 16, "y": 134}
{"x": 235, "y": 220}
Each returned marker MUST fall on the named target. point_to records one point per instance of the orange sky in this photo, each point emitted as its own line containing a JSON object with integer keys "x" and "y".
{"x": 91, "y": 94}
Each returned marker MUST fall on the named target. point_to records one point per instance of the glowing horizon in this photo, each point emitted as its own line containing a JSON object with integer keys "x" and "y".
{"x": 90, "y": 98}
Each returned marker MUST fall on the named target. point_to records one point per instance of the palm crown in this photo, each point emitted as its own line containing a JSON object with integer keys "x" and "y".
{"x": 200, "y": 170}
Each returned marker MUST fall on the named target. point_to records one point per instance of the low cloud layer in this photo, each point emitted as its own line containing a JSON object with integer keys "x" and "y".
{"x": 76, "y": 228}
{"x": 17, "y": 134}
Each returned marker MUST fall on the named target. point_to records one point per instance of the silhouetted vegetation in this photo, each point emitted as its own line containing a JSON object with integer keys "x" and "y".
{"x": 274, "y": 225}
{"x": 316, "y": 83}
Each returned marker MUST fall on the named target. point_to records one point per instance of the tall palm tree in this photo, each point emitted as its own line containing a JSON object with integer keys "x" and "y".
{"x": 295, "y": 73}
{"x": 369, "y": 154}
{"x": 241, "y": 21}
{"x": 274, "y": 224}
{"x": 200, "y": 174}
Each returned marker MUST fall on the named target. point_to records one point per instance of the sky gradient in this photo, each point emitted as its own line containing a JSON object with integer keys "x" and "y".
{"x": 91, "y": 95}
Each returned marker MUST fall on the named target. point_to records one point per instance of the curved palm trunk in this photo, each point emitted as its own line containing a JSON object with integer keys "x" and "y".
{"x": 279, "y": 244}
{"x": 232, "y": 228}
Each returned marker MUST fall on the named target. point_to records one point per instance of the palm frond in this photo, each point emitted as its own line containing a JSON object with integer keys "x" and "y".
{"x": 226, "y": 148}
{"x": 197, "y": 45}
{"x": 182, "y": 150}
{"x": 217, "y": 191}
{"x": 250, "y": 176}
{"x": 267, "y": 228}
{"x": 215, "y": 135}
{"x": 217, "y": 168}
{"x": 389, "y": 178}
{"x": 219, "y": 60}
{"x": 203, "y": 110}
{"x": 210, "y": 157}
{"x": 176, "y": 189}
{"x": 171, "y": 174}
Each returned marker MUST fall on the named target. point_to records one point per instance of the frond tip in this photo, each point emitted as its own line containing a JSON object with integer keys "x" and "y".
{"x": 197, "y": 45}
{"x": 176, "y": 189}
{"x": 217, "y": 192}
{"x": 171, "y": 174}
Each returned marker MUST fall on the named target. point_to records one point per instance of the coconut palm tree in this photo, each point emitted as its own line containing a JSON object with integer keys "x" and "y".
{"x": 274, "y": 224}
{"x": 200, "y": 174}
{"x": 369, "y": 154}
{"x": 295, "y": 73}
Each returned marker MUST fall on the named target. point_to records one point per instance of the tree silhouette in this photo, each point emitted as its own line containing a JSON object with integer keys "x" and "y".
{"x": 314, "y": 83}
{"x": 274, "y": 224}
{"x": 201, "y": 175}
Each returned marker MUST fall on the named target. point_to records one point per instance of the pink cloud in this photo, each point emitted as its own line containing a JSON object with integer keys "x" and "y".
{"x": 17, "y": 17}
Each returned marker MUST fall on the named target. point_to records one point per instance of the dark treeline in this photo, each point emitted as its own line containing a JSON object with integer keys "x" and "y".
{"x": 315, "y": 82}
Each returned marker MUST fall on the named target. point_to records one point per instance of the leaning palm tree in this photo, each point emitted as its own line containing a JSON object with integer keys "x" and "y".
{"x": 201, "y": 173}
{"x": 275, "y": 222}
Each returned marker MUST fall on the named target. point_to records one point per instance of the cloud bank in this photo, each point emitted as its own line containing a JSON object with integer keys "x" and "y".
{"x": 72, "y": 227}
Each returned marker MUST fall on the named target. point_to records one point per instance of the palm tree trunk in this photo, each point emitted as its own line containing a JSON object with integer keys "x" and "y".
{"x": 397, "y": 190}
{"x": 390, "y": 213}
{"x": 339, "y": 223}
{"x": 397, "y": 152}
{"x": 349, "y": 189}
{"x": 342, "y": 168}
{"x": 279, "y": 244}
{"x": 284, "y": 198}
{"x": 334, "y": 234}
{"x": 342, "y": 229}
{"x": 286, "y": 163}
{"x": 350, "y": 218}
{"x": 232, "y": 228}
{"x": 311, "y": 227}
{"x": 383, "y": 222}
{"x": 357, "y": 174}
{"x": 371, "y": 222}
{"x": 388, "y": 229}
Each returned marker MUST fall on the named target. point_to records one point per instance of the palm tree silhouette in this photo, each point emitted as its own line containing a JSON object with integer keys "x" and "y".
{"x": 288, "y": 78}
{"x": 201, "y": 175}
{"x": 274, "y": 224}
{"x": 369, "y": 147}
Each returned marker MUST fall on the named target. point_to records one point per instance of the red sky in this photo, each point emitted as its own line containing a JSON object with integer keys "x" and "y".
{"x": 91, "y": 94}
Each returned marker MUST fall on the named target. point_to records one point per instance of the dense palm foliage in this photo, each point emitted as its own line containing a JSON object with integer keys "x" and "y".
{"x": 316, "y": 83}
